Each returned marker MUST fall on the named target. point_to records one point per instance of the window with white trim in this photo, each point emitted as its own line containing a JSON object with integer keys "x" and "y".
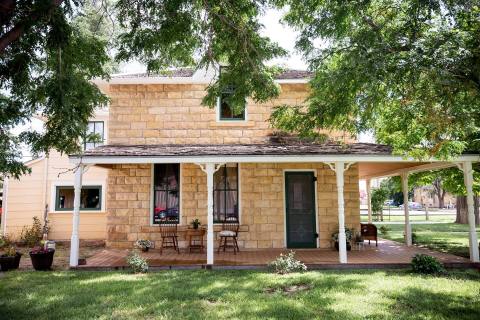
{"x": 95, "y": 135}
{"x": 225, "y": 193}
{"x": 90, "y": 198}
{"x": 226, "y": 110}
{"x": 166, "y": 193}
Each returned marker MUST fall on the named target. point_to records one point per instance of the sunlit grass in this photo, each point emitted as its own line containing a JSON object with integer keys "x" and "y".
{"x": 239, "y": 295}
{"x": 445, "y": 237}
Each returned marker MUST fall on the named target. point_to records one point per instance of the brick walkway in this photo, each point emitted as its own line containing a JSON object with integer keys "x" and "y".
{"x": 388, "y": 253}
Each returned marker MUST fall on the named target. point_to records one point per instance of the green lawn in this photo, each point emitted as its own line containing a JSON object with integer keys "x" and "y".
{"x": 239, "y": 295}
{"x": 445, "y": 237}
{"x": 413, "y": 218}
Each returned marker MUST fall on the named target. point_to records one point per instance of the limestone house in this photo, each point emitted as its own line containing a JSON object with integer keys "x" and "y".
{"x": 170, "y": 159}
{"x": 48, "y": 190}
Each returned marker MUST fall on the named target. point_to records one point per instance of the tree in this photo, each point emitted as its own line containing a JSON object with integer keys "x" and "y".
{"x": 379, "y": 196}
{"x": 48, "y": 57}
{"x": 407, "y": 70}
{"x": 46, "y": 62}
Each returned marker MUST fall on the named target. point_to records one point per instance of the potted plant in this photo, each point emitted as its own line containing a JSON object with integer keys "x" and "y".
{"x": 144, "y": 244}
{"x": 348, "y": 239}
{"x": 42, "y": 258}
{"x": 10, "y": 260}
{"x": 195, "y": 223}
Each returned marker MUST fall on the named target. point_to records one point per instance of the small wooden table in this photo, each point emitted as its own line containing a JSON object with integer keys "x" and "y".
{"x": 195, "y": 239}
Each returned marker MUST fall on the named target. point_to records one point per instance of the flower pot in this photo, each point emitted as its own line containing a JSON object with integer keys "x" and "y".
{"x": 349, "y": 246}
{"x": 145, "y": 249}
{"x": 9, "y": 262}
{"x": 42, "y": 260}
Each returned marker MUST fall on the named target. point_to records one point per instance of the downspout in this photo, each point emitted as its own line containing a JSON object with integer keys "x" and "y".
{"x": 45, "y": 193}
{"x": 4, "y": 205}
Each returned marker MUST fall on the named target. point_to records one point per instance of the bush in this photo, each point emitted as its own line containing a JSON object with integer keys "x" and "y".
{"x": 286, "y": 264}
{"x": 384, "y": 230}
{"x": 414, "y": 238}
{"x": 425, "y": 264}
{"x": 32, "y": 235}
{"x": 5, "y": 241}
{"x": 137, "y": 263}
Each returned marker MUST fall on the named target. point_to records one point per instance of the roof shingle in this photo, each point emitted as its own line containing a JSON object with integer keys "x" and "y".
{"x": 195, "y": 150}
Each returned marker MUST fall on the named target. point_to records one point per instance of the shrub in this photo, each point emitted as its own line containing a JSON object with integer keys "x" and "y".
{"x": 425, "y": 264}
{"x": 137, "y": 263}
{"x": 384, "y": 230}
{"x": 32, "y": 235}
{"x": 286, "y": 264}
{"x": 414, "y": 238}
{"x": 5, "y": 241}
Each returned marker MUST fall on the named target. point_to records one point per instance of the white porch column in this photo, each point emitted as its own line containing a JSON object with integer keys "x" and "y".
{"x": 408, "y": 227}
{"x": 339, "y": 172}
{"x": 75, "y": 242}
{"x": 210, "y": 170}
{"x": 472, "y": 234}
{"x": 369, "y": 200}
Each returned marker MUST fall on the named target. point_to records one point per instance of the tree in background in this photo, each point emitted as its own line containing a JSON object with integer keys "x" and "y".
{"x": 406, "y": 70}
{"x": 378, "y": 198}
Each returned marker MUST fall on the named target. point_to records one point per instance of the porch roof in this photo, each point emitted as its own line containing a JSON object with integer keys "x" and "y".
{"x": 375, "y": 160}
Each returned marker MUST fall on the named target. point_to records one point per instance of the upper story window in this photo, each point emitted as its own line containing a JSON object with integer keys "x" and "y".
{"x": 225, "y": 193}
{"x": 226, "y": 111}
{"x": 166, "y": 188}
{"x": 95, "y": 135}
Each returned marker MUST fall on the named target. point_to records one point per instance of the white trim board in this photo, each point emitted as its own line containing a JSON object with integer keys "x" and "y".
{"x": 257, "y": 158}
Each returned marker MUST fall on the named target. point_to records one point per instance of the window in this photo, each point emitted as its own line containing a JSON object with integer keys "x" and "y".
{"x": 225, "y": 193}
{"x": 95, "y": 133}
{"x": 90, "y": 198}
{"x": 166, "y": 190}
{"x": 226, "y": 112}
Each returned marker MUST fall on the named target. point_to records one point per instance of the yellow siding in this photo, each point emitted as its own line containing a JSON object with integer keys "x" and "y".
{"x": 27, "y": 198}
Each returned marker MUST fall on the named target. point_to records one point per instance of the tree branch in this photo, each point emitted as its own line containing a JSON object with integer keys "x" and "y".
{"x": 17, "y": 31}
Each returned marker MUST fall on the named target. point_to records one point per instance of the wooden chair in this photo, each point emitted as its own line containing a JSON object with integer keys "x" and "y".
{"x": 228, "y": 233}
{"x": 369, "y": 232}
{"x": 169, "y": 234}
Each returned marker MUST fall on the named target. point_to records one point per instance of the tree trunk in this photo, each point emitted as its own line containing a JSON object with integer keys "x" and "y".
{"x": 441, "y": 200}
{"x": 462, "y": 212}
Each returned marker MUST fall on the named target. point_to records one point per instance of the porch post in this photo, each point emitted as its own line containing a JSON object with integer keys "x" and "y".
{"x": 408, "y": 227}
{"x": 369, "y": 201}
{"x": 210, "y": 170}
{"x": 339, "y": 172}
{"x": 75, "y": 242}
{"x": 472, "y": 234}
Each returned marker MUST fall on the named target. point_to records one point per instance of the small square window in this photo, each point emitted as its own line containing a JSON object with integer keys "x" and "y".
{"x": 95, "y": 135}
{"x": 90, "y": 199}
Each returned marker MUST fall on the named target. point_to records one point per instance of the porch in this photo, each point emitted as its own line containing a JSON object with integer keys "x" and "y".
{"x": 388, "y": 254}
{"x": 332, "y": 189}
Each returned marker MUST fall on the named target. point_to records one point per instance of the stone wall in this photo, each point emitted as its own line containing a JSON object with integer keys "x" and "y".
{"x": 261, "y": 207}
{"x": 172, "y": 113}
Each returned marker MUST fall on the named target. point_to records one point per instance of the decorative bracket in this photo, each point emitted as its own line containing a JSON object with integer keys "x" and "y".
{"x": 204, "y": 168}
{"x": 333, "y": 164}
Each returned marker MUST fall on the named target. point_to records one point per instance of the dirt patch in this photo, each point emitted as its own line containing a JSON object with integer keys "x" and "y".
{"x": 290, "y": 289}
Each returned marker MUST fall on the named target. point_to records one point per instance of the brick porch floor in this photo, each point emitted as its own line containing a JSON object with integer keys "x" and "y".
{"x": 387, "y": 254}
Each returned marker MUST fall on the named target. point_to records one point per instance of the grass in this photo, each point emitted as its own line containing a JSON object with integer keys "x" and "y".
{"x": 413, "y": 218}
{"x": 239, "y": 295}
{"x": 444, "y": 237}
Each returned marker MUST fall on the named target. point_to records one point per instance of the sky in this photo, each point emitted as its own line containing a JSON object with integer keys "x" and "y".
{"x": 276, "y": 31}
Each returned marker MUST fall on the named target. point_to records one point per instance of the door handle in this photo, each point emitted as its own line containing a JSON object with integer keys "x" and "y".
{"x": 316, "y": 235}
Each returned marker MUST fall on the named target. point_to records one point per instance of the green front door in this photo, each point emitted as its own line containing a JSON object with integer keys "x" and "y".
{"x": 300, "y": 209}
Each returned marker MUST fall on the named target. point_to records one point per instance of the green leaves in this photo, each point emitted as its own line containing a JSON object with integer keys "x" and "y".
{"x": 406, "y": 70}
{"x": 170, "y": 33}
